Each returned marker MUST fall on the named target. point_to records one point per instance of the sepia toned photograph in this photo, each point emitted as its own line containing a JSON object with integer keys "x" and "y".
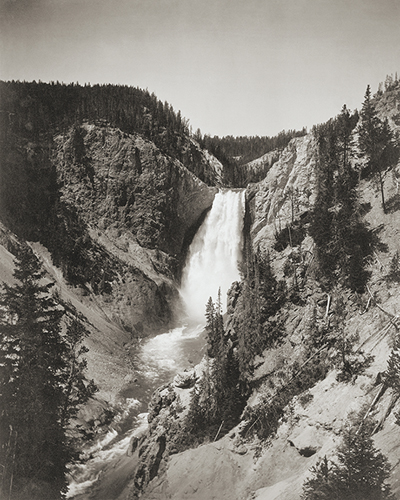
{"x": 199, "y": 250}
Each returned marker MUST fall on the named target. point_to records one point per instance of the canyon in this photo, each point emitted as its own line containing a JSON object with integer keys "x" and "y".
{"x": 137, "y": 217}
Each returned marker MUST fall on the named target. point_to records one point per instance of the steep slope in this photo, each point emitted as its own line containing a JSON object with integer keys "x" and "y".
{"x": 243, "y": 464}
{"x": 111, "y": 217}
{"x": 286, "y": 193}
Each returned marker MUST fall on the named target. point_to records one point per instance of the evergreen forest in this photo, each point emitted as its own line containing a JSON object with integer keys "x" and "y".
{"x": 291, "y": 307}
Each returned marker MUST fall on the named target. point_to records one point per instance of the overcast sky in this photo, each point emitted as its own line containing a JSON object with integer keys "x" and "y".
{"x": 233, "y": 67}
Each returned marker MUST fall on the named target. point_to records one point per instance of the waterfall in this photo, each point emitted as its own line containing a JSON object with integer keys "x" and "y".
{"x": 214, "y": 254}
{"x": 211, "y": 264}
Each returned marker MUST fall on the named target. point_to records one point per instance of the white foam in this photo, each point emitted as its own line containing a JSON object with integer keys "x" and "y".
{"x": 214, "y": 254}
{"x": 165, "y": 352}
{"x": 87, "y": 474}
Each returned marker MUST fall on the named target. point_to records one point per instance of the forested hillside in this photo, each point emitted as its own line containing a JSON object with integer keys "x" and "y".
{"x": 34, "y": 110}
{"x": 235, "y": 153}
{"x": 302, "y": 377}
{"x": 297, "y": 395}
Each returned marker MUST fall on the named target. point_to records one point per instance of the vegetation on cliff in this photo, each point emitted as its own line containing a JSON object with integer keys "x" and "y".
{"x": 378, "y": 148}
{"x": 342, "y": 240}
{"x": 217, "y": 400}
{"x": 359, "y": 473}
{"x": 236, "y": 152}
{"x": 38, "y": 110}
{"x": 42, "y": 385}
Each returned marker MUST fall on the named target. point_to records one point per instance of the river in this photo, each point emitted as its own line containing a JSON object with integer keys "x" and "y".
{"x": 212, "y": 263}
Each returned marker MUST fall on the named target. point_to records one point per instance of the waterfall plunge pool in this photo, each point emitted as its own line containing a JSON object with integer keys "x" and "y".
{"x": 212, "y": 264}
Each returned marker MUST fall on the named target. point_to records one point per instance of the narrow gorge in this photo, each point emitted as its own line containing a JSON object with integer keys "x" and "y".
{"x": 238, "y": 296}
{"x": 211, "y": 267}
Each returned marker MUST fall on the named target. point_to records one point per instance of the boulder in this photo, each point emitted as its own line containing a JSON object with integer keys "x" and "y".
{"x": 185, "y": 379}
{"x": 308, "y": 441}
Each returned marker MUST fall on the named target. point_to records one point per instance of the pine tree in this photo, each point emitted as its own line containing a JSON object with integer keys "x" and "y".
{"x": 362, "y": 469}
{"x": 261, "y": 297}
{"x": 392, "y": 374}
{"x": 77, "y": 390}
{"x": 210, "y": 326}
{"x": 32, "y": 352}
{"x": 39, "y": 387}
{"x": 345, "y": 125}
{"x": 319, "y": 486}
{"x": 359, "y": 473}
{"x": 376, "y": 144}
{"x": 216, "y": 401}
{"x": 322, "y": 215}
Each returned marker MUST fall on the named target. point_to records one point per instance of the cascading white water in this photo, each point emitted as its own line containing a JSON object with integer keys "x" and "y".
{"x": 211, "y": 264}
{"x": 213, "y": 257}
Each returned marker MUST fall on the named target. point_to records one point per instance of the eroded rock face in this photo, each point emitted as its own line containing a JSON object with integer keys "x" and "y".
{"x": 142, "y": 207}
{"x": 123, "y": 182}
{"x": 185, "y": 379}
{"x": 163, "y": 397}
{"x": 287, "y": 191}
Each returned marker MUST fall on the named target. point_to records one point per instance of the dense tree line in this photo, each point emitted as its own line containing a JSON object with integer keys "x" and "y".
{"x": 37, "y": 109}
{"x": 246, "y": 149}
{"x": 342, "y": 240}
{"x": 42, "y": 385}
{"x": 235, "y": 152}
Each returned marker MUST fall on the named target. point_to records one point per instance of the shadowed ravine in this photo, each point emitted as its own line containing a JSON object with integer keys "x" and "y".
{"x": 212, "y": 263}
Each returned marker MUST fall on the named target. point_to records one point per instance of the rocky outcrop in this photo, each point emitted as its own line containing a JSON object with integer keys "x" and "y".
{"x": 203, "y": 164}
{"x": 240, "y": 466}
{"x": 142, "y": 207}
{"x": 185, "y": 379}
{"x": 258, "y": 168}
{"x": 122, "y": 185}
{"x": 286, "y": 193}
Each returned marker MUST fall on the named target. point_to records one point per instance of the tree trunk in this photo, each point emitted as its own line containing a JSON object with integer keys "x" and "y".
{"x": 382, "y": 193}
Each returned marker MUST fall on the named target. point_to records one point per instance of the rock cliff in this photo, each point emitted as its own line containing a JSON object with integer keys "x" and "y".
{"x": 142, "y": 207}
{"x": 240, "y": 465}
{"x": 286, "y": 193}
{"x": 111, "y": 217}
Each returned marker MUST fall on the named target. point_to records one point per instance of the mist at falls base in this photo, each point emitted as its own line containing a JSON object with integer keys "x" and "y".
{"x": 214, "y": 254}
{"x": 212, "y": 264}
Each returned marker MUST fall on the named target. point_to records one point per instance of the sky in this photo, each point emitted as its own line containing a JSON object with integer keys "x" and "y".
{"x": 232, "y": 67}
